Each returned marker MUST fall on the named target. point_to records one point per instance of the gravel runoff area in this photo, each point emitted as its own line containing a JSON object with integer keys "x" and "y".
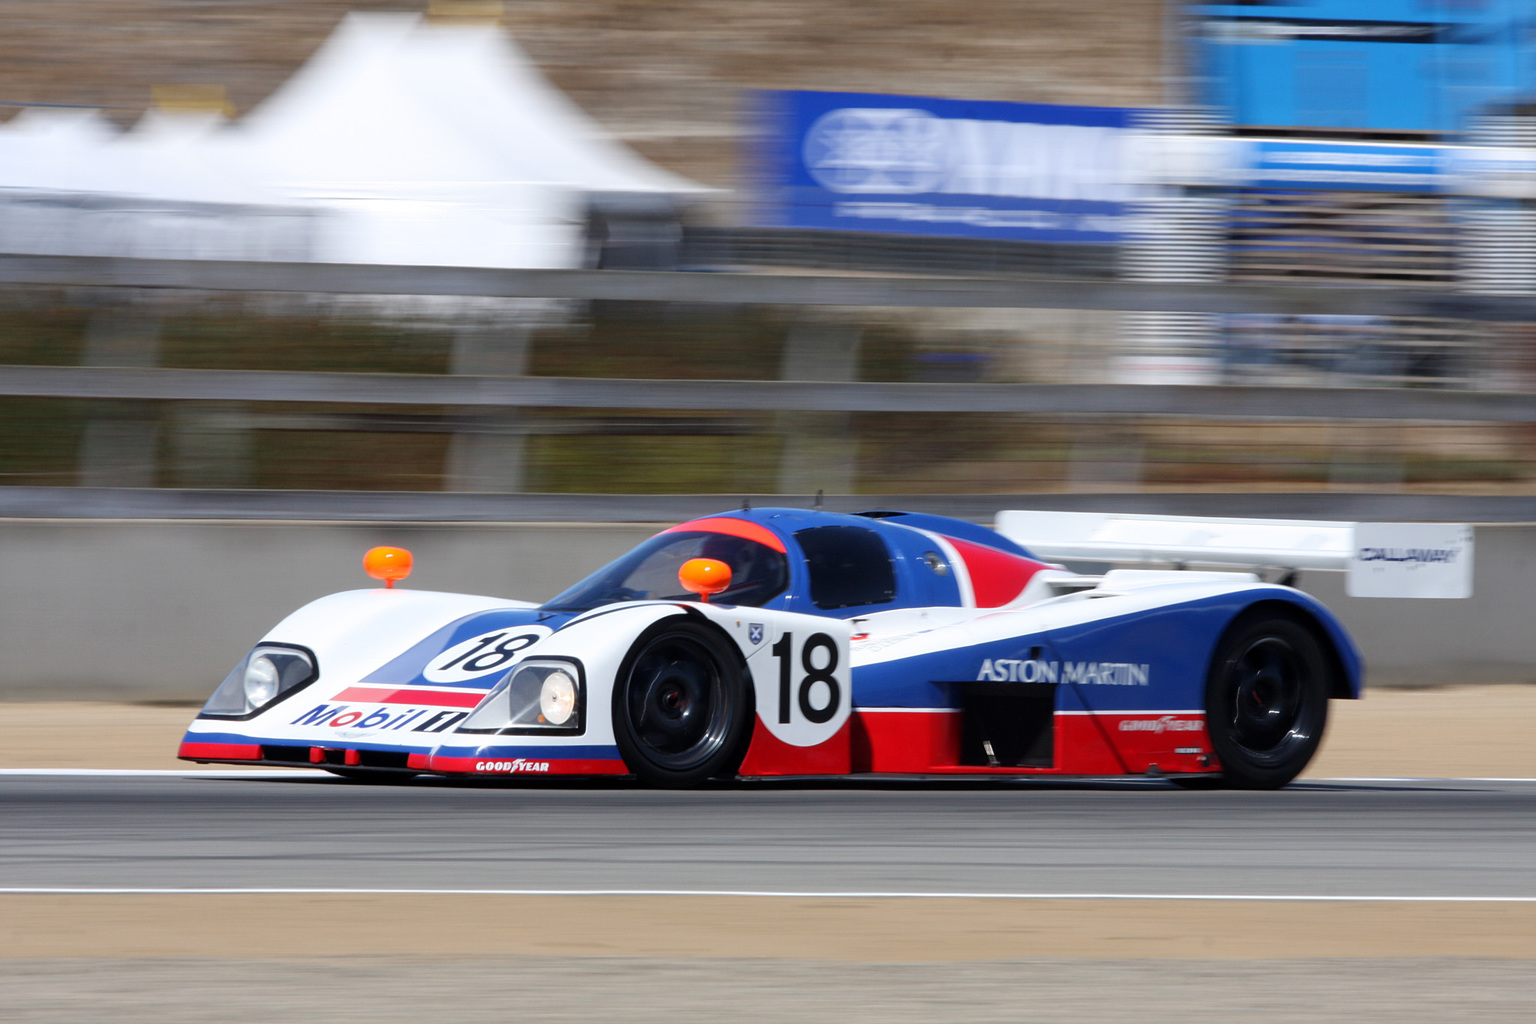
{"x": 1178, "y": 961}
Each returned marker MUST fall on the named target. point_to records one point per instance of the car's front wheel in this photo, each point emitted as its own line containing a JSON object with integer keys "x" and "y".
{"x": 681, "y": 707}
{"x": 1266, "y": 701}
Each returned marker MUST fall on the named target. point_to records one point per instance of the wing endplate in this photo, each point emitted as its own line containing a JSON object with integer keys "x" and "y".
{"x": 1405, "y": 560}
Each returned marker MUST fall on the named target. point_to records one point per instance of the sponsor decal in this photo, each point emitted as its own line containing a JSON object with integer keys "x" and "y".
{"x": 341, "y": 716}
{"x": 517, "y": 765}
{"x": 868, "y": 646}
{"x": 1166, "y": 723}
{"x": 1087, "y": 673}
{"x": 442, "y": 720}
{"x": 317, "y": 716}
{"x": 1421, "y": 556}
{"x": 755, "y": 633}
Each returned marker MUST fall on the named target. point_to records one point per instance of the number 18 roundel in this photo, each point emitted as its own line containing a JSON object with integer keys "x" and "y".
{"x": 803, "y": 690}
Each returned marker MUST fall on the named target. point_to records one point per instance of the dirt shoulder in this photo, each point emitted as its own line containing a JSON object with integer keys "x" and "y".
{"x": 1449, "y": 732}
{"x": 1462, "y": 732}
{"x": 838, "y": 929}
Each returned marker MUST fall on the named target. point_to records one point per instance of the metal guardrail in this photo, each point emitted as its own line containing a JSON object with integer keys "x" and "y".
{"x": 758, "y": 289}
{"x": 85, "y": 503}
{"x": 871, "y": 252}
{"x": 1202, "y": 402}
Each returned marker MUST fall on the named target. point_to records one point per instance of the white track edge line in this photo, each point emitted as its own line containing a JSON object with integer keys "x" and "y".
{"x": 1420, "y": 778}
{"x": 753, "y": 893}
{"x": 183, "y": 773}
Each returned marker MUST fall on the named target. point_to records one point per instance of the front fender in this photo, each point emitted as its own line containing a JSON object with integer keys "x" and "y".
{"x": 370, "y": 646}
{"x": 797, "y": 667}
{"x": 356, "y": 631}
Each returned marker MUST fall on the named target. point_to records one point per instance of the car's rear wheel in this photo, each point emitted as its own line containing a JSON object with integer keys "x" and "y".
{"x": 681, "y": 709}
{"x": 1266, "y": 701}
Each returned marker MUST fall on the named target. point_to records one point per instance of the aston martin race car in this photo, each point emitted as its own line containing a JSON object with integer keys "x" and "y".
{"x": 783, "y": 642}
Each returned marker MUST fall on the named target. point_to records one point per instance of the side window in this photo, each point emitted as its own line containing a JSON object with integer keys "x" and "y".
{"x": 849, "y": 566}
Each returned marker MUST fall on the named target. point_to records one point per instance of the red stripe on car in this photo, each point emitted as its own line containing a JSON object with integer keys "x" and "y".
{"x": 219, "y": 752}
{"x": 996, "y": 576}
{"x": 431, "y": 698}
{"x": 734, "y": 528}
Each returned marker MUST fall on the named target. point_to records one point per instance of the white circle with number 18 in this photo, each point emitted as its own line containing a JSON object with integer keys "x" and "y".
{"x": 481, "y": 655}
{"x": 804, "y": 688}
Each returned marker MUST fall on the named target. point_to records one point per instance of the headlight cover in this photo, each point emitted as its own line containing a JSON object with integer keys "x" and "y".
{"x": 538, "y": 697}
{"x": 265, "y": 676}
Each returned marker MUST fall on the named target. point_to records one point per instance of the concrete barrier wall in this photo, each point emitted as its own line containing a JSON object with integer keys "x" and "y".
{"x": 147, "y": 610}
{"x": 157, "y": 610}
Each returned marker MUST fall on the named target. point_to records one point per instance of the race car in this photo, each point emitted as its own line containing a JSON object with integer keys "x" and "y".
{"x": 783, "y": 642}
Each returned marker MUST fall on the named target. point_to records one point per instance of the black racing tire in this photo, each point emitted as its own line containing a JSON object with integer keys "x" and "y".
{"x": 1266, "y": 700}
{"x": 682, "y": 708}
{"x": 370, "y": 774}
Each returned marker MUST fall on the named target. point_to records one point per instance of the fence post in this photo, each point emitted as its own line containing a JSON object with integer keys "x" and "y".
{"x": 819, "y": 451}
{"x": 121, "y": 440}
{"x": 488, "y": 449}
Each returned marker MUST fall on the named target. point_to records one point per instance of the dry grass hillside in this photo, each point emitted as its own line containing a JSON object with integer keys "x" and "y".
{"x": 666, "y": 75}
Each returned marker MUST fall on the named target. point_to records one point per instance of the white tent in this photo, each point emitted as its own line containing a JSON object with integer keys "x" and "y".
{"x": 401, "y": 141}
{"x": 55, "y": 149}
{"x": 71, "y": 184}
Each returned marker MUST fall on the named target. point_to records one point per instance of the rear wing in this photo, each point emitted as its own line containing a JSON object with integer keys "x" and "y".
{"x": 1379, "y": 559}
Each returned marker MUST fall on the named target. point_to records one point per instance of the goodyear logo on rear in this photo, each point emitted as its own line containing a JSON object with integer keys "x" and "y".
{"x": 1086, "y": 673}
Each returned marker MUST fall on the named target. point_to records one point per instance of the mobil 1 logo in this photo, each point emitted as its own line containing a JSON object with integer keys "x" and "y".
{"x": 803, "y": 683}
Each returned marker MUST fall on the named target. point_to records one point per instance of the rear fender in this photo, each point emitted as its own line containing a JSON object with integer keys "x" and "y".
{"x": 1346, "y": 664}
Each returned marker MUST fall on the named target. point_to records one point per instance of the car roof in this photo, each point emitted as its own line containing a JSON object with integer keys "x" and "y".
{"x": 788, "y": 521}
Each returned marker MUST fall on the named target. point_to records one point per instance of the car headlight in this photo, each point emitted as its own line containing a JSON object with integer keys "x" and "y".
{"x": 261, "y": 681}
{"x": 557, "y": 698}
{"x": 539, "y": 695}
{"x": 263, "y": 677}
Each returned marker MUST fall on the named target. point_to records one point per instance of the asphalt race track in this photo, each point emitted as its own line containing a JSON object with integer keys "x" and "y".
{"x": 1398, "y": 838}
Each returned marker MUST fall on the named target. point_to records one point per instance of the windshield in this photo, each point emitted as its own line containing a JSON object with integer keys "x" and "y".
{"x": 649, "y": 573}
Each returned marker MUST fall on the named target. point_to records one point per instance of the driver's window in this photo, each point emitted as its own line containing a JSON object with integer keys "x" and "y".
{"x": 758, "y": 573}
{"x": 849, "y": 567}
{"x": 656, "y": 577}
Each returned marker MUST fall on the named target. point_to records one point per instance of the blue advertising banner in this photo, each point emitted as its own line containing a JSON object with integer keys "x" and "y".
{"x": 919, "y": 165}
{"x": 1349, "y": 166}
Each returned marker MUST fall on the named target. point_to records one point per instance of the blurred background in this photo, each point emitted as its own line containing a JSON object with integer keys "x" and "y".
{"x": 1083, "y": 241}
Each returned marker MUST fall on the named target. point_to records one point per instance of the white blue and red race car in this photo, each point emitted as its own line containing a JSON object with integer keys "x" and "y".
{"x": 783, "y": 642}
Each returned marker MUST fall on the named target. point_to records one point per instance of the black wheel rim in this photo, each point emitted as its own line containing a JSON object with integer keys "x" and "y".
{"x": 677, "y": 703}
{"x": 1267, "y": 685}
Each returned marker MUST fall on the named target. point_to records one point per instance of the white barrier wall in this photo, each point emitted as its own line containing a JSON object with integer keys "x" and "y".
{"x": 158, "y": 610}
